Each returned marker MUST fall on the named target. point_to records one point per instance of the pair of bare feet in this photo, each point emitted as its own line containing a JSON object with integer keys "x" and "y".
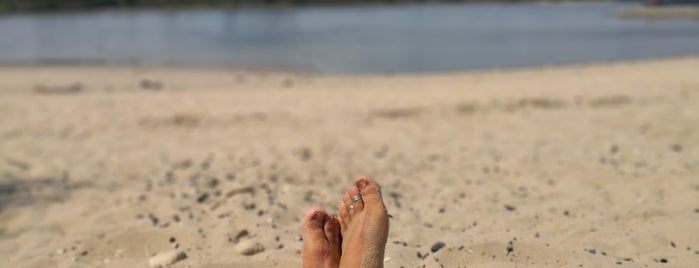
{"x": 356, "y": 238}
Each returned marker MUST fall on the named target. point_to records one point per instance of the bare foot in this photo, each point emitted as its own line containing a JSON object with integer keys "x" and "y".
{"x": 321, "y": 240}
{"x": 364, "y": 225}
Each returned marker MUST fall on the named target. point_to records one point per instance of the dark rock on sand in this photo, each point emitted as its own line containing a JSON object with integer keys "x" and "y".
{"x": 153, "y": 219}
{"x": 510, "y": 248}
{"x": 437, "y": 246}
{"x": 66, "y": 89}
{"x": 147, "y": 84}
{"x": 202, "y": 197}
{"x": 676, "y": 148}
{"x": 614, "y": 149}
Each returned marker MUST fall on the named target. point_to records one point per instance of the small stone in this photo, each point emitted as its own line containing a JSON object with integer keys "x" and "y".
{"x": 166, "y": 258}
{"x": 61, "y": 251}
{"x": 153, "y": 219}
{"x": 248, "y": 247}
{"x": 510, "y": 248}
{"x": 510, "y": 207}
{"x": 663, "y": 260}
{"x": 437, "y": 246}
{"x": 202, "y": 197}
{"x": 241, "y": 234}
{"x": 614, "y": 149}
{"x": 148, "y": 84}
{"x": 676, "y": 148}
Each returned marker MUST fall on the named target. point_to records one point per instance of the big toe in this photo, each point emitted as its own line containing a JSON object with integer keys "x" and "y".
{"x": 313, "y": 225}
{"x": 370, "y": 190}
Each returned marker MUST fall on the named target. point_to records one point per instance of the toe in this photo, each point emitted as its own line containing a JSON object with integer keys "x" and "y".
{"x": 313, "y": 223}
{"x": 355, "y": 200}
{"x": 343, "y": 218}
{"x": 347, "y": 203}
{"x": 332, "y": 233}
{"x": 371, "y": 192}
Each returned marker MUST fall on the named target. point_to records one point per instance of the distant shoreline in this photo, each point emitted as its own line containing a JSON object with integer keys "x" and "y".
{"x": 44, "y": 6}
{"x": 683, "y": 12}
{"x": 297, "y": 71}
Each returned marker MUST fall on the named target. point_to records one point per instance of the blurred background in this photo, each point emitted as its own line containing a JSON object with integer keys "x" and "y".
{"x": 343, "y": 36}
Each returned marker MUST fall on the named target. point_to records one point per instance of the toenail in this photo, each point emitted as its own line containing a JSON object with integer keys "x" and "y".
{"x": 350, "y": 207}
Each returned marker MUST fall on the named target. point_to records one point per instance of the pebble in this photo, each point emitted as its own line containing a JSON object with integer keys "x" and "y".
{"x": 676, "y": 148}
{"x": 248, "y": 247}
{"x": 147, "y": 84}
{"x": 202, "y": 197}
{"x": 165, "y": 258}
{"x": 510, "y": 248}
{"x": 437, "y": 246}
{"x": 614, "y": 149}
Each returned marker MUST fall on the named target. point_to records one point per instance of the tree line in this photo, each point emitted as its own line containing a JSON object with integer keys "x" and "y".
{"x": 57, "y": 5}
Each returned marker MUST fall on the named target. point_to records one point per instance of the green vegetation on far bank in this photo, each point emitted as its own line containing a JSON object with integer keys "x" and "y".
{"x": 12, "y": 6}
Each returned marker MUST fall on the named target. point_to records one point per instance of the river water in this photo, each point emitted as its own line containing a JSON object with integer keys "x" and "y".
{"x": 411, "y": 38}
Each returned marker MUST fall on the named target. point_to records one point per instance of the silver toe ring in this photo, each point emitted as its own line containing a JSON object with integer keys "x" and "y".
{"x": 356, "y": 198}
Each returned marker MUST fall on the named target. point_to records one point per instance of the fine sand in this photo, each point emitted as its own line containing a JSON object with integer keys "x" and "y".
{"x": 580, "y": 166}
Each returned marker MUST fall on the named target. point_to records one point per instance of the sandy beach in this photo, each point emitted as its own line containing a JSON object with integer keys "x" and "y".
{"x": 575, "y": 166}
{"x": 671, "y": 12}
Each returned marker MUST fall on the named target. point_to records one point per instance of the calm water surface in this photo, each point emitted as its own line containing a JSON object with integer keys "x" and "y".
{"x": 415, "y": 38}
